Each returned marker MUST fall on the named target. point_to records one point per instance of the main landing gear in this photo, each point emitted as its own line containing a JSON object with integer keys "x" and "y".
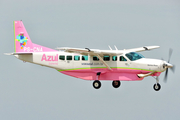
{"x": 97, "y": 83}
{"x": 157, "y": 86}
{"x": 116, "y": 84}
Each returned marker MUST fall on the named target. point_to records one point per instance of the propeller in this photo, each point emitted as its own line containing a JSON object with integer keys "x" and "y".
{"x": 167, "y": 65}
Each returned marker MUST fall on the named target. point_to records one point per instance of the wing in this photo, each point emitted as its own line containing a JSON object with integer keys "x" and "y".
{"x": 140, "y": 49}
{"x": 100, "y": 53}
{"x": 88, "y": 51}
{"x": 106, "y": 52}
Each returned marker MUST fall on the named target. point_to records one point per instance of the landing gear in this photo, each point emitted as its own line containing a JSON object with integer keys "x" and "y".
{"x": 96, "y": 84}
{"x": 157, "y": 86}
{"x": 116, "y": 84}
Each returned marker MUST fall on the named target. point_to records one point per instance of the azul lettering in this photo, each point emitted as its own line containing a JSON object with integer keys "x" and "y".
{"x": 49, "y": 57}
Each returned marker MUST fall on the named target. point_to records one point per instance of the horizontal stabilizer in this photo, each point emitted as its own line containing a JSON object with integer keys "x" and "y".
{"x": 18, "y": 53}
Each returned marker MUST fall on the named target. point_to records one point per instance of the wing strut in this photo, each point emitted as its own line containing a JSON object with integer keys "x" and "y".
{"x": 103, "y": 62}
{"x": 145, "y": 75}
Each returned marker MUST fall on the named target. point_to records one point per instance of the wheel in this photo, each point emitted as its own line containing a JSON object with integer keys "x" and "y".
{"x": 157, "y": 87}
{"x": 96, "y": 84}
{"x": 116, "y": 83}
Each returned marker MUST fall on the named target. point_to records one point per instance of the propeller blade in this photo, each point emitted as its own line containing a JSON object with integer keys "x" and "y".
{"x": 173, "y": 68}
{"x": 165, "y": 77}
{"x": 170, "y": 53}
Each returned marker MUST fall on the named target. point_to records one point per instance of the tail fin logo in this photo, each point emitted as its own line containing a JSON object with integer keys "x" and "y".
{"x": 22, "y": 39}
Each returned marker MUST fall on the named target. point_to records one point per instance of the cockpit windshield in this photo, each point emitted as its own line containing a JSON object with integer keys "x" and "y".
{"x": 134, "y": 56}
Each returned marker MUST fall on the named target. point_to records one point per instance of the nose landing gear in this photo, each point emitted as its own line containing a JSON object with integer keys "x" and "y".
{"x": 157, "y": 86}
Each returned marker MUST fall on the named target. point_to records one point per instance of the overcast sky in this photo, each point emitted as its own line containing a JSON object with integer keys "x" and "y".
{"x": 32, "y": 92}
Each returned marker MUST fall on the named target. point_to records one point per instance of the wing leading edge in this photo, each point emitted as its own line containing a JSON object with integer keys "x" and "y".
{"x": 105, "y": 52}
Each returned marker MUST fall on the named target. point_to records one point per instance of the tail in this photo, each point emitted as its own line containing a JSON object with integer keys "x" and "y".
{"x": 23, "y": 43}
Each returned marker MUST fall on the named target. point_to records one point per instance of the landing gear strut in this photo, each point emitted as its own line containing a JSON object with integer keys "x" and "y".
{"x": 157, "y": 86}
{"x": 97, "y": 83}
{"x": 116, "y": 84}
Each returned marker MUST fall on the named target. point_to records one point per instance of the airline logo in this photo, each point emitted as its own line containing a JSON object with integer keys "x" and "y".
{"x": 22, "y": 39}
{"x": 51, "y": 59}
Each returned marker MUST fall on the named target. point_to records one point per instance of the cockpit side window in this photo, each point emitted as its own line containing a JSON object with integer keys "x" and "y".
{"x": 134, "y": 56}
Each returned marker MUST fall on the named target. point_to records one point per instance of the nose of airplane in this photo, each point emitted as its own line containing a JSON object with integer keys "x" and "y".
{"x": 167, "y": 65}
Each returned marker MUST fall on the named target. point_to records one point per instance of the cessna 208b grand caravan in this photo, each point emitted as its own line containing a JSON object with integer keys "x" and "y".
{"x": 91, "y": 64}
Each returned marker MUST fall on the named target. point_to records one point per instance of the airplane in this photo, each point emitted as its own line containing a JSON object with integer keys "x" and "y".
{"x": 91, "y": 64}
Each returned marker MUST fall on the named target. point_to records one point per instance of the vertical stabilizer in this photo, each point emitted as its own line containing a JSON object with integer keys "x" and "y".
{"x": 23, "y": 42}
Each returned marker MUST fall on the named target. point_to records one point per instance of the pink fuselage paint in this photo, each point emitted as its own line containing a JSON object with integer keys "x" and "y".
{"x": 115, "y": 74}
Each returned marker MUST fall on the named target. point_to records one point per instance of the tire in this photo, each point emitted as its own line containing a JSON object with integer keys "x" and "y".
{"x": 96, "y": 84}
{"x": 157, "y": 87}
{"x": 116, "y": 83}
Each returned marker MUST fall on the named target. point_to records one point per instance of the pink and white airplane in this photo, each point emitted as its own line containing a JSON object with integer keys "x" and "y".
{"x": 91, "y": 64}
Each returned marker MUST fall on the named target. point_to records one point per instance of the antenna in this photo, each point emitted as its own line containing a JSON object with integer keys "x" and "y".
{"x": 115, "y": 47}
{"x": 21, "y": 23}
{"x": 109, "y": 47}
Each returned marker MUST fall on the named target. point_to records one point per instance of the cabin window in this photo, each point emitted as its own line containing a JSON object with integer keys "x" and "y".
{"x": 95, "y": 58}
{"x": 68, "y": 57}
{"x": 121, "y": 58}
{"x": 114, "y": 58}
{"x": 62, "y": 57}
{"x": 84, "y": 57}
{"x": 76, "y": 57}
{"x": 106, "y": 58}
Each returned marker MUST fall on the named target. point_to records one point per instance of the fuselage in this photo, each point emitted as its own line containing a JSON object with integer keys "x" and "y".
{"x": 86, "y": 67}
